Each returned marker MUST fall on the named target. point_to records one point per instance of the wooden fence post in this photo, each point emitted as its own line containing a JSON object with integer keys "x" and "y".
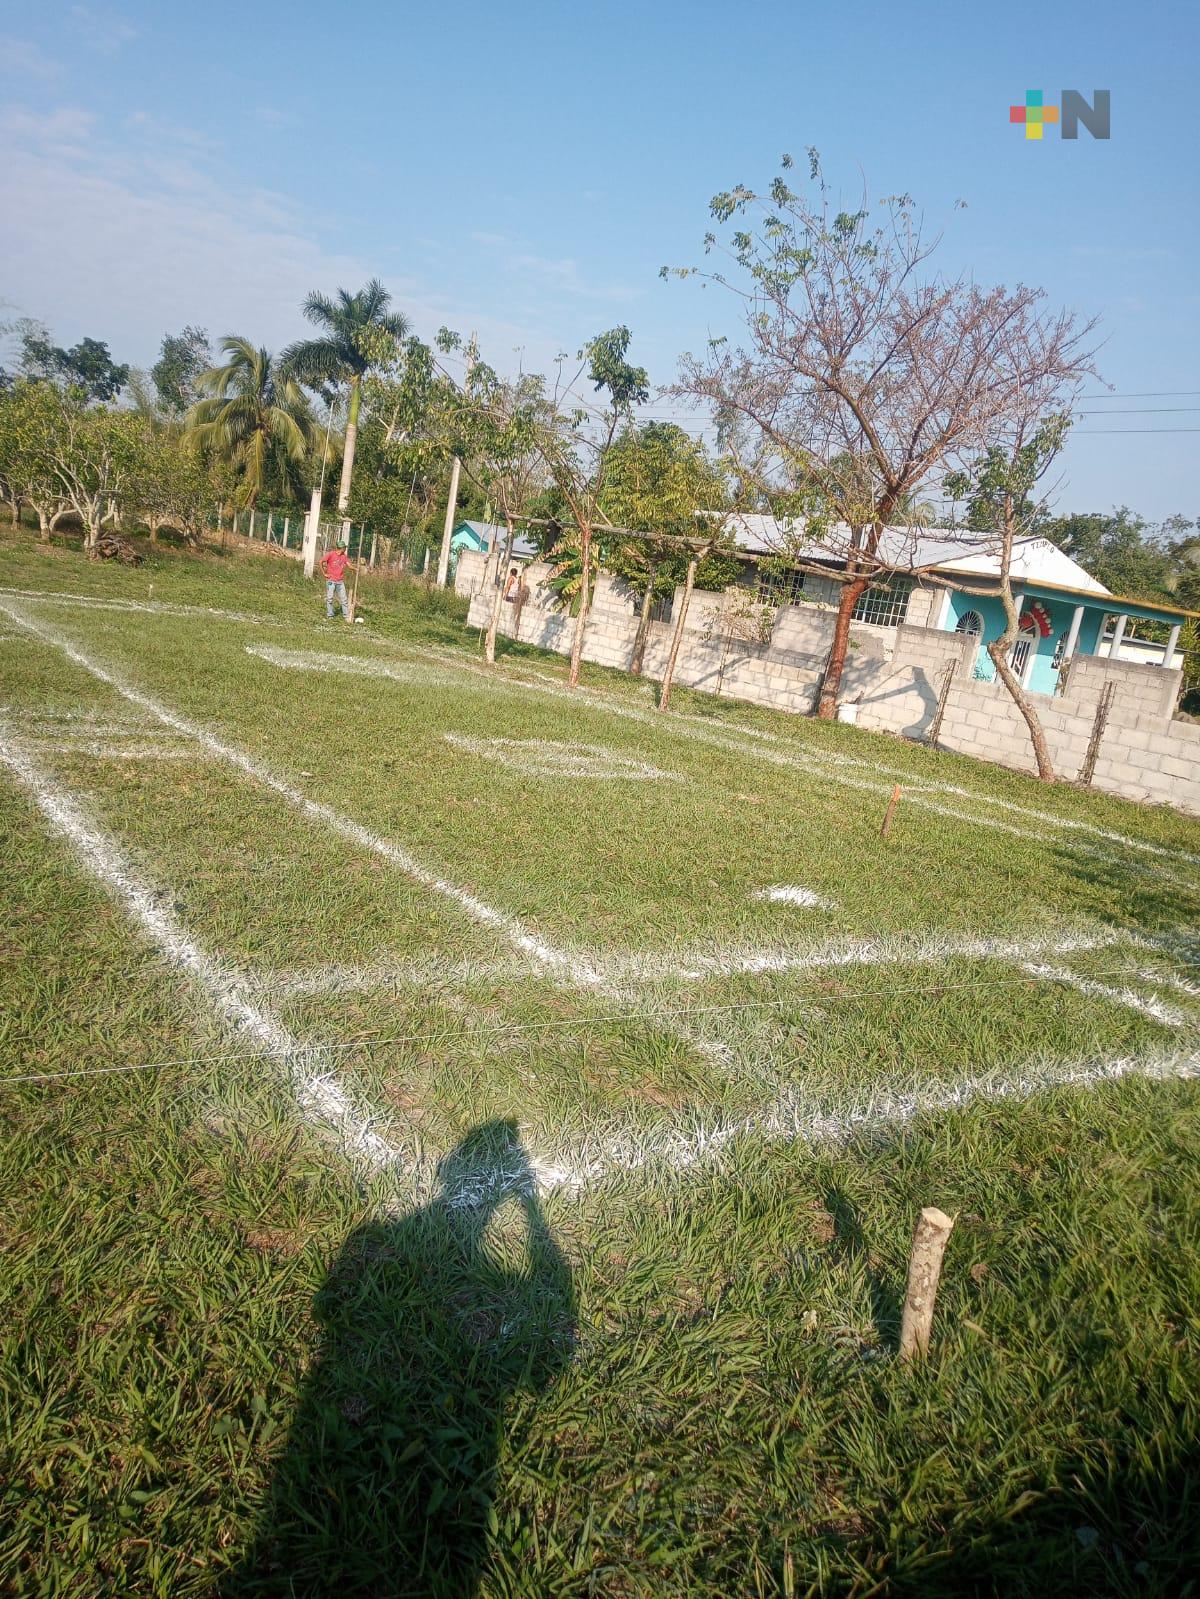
{"x": 924, "y": 1268}
{"x": 886, "y": 829}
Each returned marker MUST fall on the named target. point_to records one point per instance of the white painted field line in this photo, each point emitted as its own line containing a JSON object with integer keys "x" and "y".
{"x": 349, "y": 665}
{"x": 922, "y": 950}
{"x": 793, "y": 894}
{"x": 111, "y": 750}
{"x": 428, "y": 976}
{"x": 787, "y": 1119}
{"x": 1160, "y": 1012}
{"x": 319, "y": 1094}
{"x": 101, "y": 602}
{"x": 540, "y": 757}
{"x": 538, "y": 949}
{"x": 729, "y": 734}
{"x": 1180, "y": 985}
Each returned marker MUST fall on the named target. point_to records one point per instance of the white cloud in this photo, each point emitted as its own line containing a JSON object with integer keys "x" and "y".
{"x": 104, "y": 31}
{"x": 561, "y": 274}
{"x": 21, "y": 58}
{"x": 128, "y": 240}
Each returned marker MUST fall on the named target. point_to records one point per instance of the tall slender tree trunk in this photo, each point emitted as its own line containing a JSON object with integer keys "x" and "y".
{"x": 664, "y": 697}
{"x": 831, "y": 683}
{"x": 348, "y": 456}
{"x": 585, "y": 545}
{"x": 1000, "y": 651}
{"x": 643, "y": 627}
{"x": 498, "y": 599}
{"x": 43, "y": 526}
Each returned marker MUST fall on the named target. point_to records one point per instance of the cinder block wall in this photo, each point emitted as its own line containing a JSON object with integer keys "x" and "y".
{"x": 896, "y": 675}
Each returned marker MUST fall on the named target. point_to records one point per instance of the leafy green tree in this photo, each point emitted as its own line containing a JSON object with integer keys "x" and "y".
{"x": 29, "y": 418}
{"x": 86, "y": 366}
{"x": 577, "y": 443}
{"x": 503, "y": 426}
{"x": 168, "y": 484}
{"x": 91, "y": 451}
{"x": 1118, "y": 548}
{"x": 182, "y": 358}
{"x": 663, "y": 487}
{"x": 253, "y": 416}
{"x": 358, "y": 331}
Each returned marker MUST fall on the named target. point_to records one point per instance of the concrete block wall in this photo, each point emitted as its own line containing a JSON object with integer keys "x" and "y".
{"x": 895, "y": 674}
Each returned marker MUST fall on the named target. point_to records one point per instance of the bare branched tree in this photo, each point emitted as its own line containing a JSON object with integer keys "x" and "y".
{"x": 863, "y": 376}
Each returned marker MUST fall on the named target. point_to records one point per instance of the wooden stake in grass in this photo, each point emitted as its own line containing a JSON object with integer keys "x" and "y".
{"x": 924, "y": 1268}
{"x": 357, "y": 570}
{"x": 891, "y": 811}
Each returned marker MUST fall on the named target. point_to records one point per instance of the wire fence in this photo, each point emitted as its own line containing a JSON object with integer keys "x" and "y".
{"x": 406, "y": 551}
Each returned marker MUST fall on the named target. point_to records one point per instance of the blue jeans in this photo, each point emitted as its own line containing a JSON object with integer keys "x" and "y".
{"x": 335, "y": 591}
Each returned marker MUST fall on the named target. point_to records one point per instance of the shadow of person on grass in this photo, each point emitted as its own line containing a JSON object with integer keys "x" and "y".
{"x": 430, "y": 1323}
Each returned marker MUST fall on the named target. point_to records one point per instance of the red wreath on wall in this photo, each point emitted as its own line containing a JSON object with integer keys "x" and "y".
{"x": 1037, "y": 616}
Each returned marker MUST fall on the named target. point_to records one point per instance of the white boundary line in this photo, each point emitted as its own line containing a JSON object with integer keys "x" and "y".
{"x": 793, "y": 894}
{"x": 540, "y": 757}
{"x": 102, "y": 602}
{"x": 538, "y": 949}
{"x": 728, "y": 735}
{"x": 320, "y": 1095}
{"x": 786, "y": 1120}
{"x": 1156, "y": 1009}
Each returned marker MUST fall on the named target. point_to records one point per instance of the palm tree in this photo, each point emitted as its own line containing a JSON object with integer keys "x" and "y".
{"x": 252, "y": 413}
{"x": 344, "y": 354}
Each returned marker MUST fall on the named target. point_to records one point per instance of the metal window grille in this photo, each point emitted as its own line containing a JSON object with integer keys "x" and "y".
{"x": 969, "y": 622}
{"x": 884, "y": 605}
{"x": 779, "y": 588}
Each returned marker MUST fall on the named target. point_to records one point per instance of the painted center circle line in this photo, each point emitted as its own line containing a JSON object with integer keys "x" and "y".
{"x": 538, "y": 757}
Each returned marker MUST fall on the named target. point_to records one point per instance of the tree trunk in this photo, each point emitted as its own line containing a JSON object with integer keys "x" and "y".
{"x": 664, "y": 697}
{"x": 643, "y": 628}
{"x": 43, "y": 526}
{"x": 1000, "y": 649}
{"x": 831, "y": 683}
{"x": 348, "y": 458}
{"x": 498, "y": 600}
{"x": 584, "y": 605}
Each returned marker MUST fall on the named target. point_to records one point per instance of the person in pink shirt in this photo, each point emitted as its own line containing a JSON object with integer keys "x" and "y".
{"x": 333, "y": 568}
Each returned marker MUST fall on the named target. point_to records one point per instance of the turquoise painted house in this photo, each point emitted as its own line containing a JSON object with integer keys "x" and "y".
{"x": 1064, "y": 611}
{"x": 482, "y": 536}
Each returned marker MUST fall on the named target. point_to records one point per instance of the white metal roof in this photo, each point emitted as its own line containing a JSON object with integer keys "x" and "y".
{"x": 942, "y": 549}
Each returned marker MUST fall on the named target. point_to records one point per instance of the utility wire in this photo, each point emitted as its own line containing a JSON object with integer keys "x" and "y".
{"x": 508, "y": 1029}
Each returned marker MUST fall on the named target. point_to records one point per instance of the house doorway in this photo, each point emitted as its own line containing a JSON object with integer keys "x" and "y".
{"x": 1023, "y": 652}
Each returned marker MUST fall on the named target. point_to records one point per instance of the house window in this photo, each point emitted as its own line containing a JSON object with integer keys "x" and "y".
{"x": 884, "y": 604}
{"x": 970, "y": 622}
{"x": 779, "y": 588}
{"x": 660, "y": 607}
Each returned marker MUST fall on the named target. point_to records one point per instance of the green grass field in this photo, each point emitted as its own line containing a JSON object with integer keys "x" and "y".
{"x": 439, "y": 1159}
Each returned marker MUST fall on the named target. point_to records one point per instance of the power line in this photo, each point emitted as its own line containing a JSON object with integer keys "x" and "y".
{"x": 503, "y": 1030}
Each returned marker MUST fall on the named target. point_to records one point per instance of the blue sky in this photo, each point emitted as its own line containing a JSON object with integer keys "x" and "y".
{"x": 524, "y": 170}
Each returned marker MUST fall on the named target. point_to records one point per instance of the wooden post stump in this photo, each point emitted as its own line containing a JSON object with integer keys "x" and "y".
{"x": 890, "y": 813}
{"x": 924, "y": 1268}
